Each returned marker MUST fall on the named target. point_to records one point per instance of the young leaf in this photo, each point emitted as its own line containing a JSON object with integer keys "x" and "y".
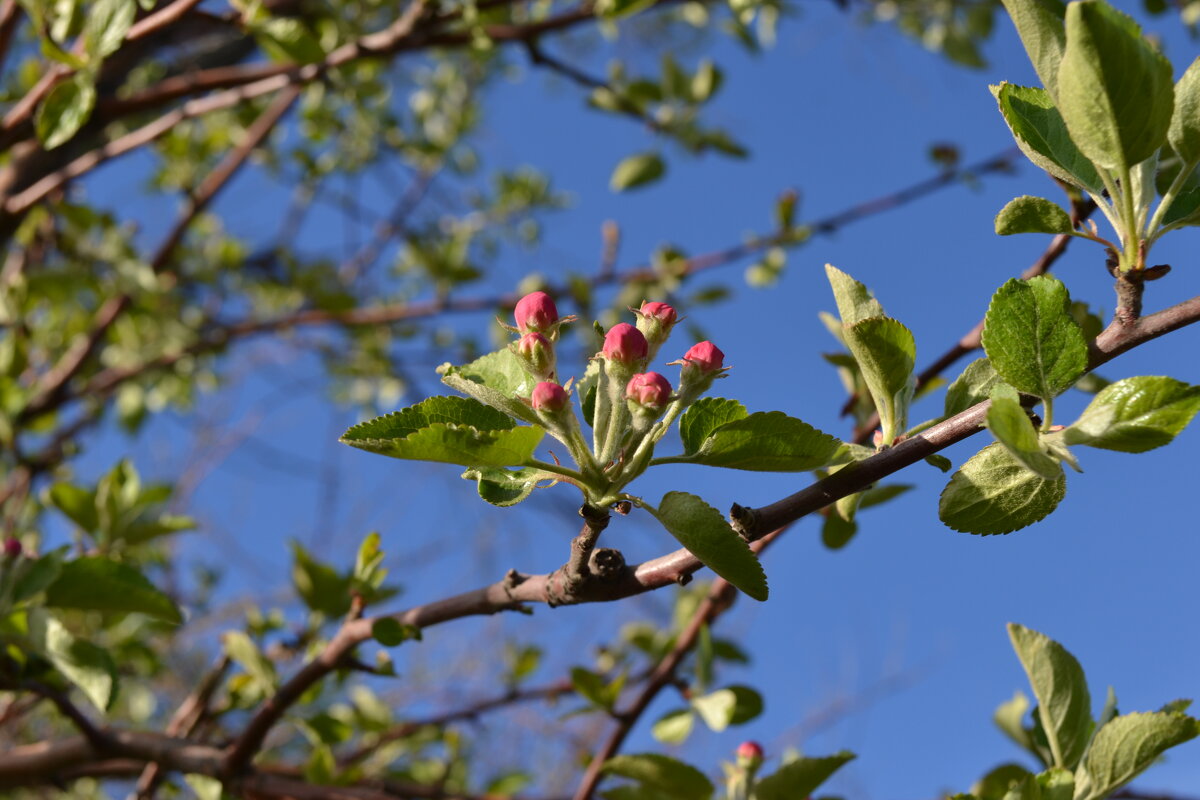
{"x": 705, "y": 416}
{"x": 1136, "y": 414}
{"x": 886, "y": 353}
{"x": 289, "y": 40}
{"x": 733, "y": 705}
{"x": 107, "y": 23}
{"x": 506, "y": 487}
{"x": 1064, "y": 704}
{"x": 100, "y": 584}
{"x": 665, "y": 776}
{"x": 1011, "y": 426}
{"x": 319, "y": 585}
{"x": 837, "y": 531}
{"x": 452, "y": 444}
{"x": 1114, "y": 89}
{"x": 1056, "y": 784}
{"x": 245, "y": 653}
{"x": 854, "y": 300}
{"x": 77, "y": 503}
{"x": 82, "y": 663}
{"x": 1125, "y": 747}
{"x": 799, "y": 778}
{"x": 973, "y": 386}
{"x": 704, "y": 532}
{"x": 1031, "y": 338}
{"x": 1184, "y": 133}
{"x": 65, "y": 110}
{"x": 674, "y": 727}
{"x": 1040, "y": 26}
{"x": 995, "y": 493}
{"x": 497, "y": 380}
{"x": 637, "y": 170}
{"x": 389, "y": 631}
{"x": 997, "y": 782}
{"x": 449, "y": 410}
{"x": 1042, "y": 135}
{"x": 769, "y": 441}
{"x": 1028, "y": 214}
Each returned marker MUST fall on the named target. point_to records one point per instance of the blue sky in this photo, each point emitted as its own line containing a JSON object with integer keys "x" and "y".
{"x": 841, "y": 112}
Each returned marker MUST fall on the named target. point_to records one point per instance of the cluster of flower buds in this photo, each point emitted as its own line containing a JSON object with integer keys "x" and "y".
{"x": 538, "y": 323}
{"x": 629, "y": 398}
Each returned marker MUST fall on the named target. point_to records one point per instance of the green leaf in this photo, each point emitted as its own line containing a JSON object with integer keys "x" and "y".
{"x": 1185, "y": 208}
{"x": 1010, "y": 718}
{"x": 970, "y": 388}
{"x": 995, "y": 493}
{"x": 733, "y": 705}
{"x": 1184, "y": 133}
{"x": 65, "y": 110}
{"x": 837, "y": 531}
{"x": 637, "y": 170}
{"x": 1125, "y": 747}
{"x": 370, "y": 556}
{"x": 886, "y": 354}
{"x": 320, "y": 586}
{"x": 1064, "y": 704}
{"x": 100, "y": 584}
{"x": 32, "y": 575}
{"x": 1056, "y": 784}
{"x": 1114, "y": 89}
{"x": 245, "y": 653}
{"x": 453, "y": 430}
{"x": 996, "y": 783}
{"x": 704, "y": 532}
{"x": 768, "y": 441}
{"x": 204, "y": 787}
{"x": 1040, "y": 26}
{"x": 1042, "y": 135}
{"x": 1136, "y": 414}
{"x": 799, "y": 778}
{"x": 594, "y": 688}
{"x": 82, "y": 663}
{"x": 671, "y": 778}
{"x": 1031, "y": 338}
{"x": 674, "y": 727}
{"x": 289, "y": 39}
{"x": 77, "y": 503}
{"x": 390, "y": 632}
{"x": 854, "y": 300}
{"x": 1028, "y": 214}
{"x": 940, "y": 461}
{"x": 506, "y": 487}
{"x": 703, "y": 417}
{"x": 497, "y": 380}
{"x": 1011, "y": 426}
{"x": 107, "y": 23}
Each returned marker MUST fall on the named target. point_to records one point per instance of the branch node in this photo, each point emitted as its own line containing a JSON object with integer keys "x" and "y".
{"x": 744, "y": 521}
{"x": 607, "y": 564}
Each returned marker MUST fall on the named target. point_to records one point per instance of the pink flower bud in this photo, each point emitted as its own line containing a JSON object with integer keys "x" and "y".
{"x": 536, "y": 312}
{"x": 655, "y": 321}
{"x": 12, "y": 547}
{"x": 649, "y": 390}
{"x": 538, "y": 354}
{"x": 749, "y": 754}
{"x": 548, "y": 397}
{"x": 659, "y": 311}
{"x": 706, "y": 356}
{"x": 624, "y": 344}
